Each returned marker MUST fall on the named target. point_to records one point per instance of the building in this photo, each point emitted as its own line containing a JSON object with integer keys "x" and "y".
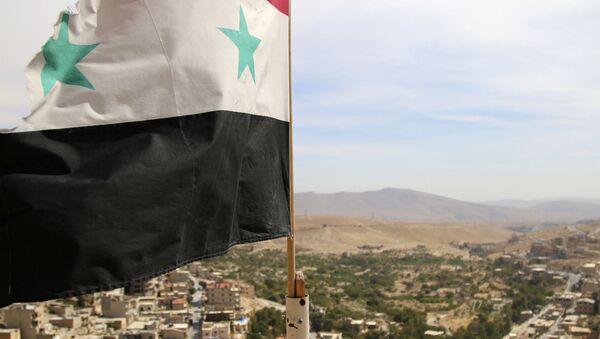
{"x": 181, "y": 287}
{"x": 216, "y": 330}
{"x": 28, "y": 318}
{"x": 138, "y": 287}
{"x": 141, "y": 334}
{"x": 325, "y": 335}
{"x": 545, "y": 249}
{"x": 357, "y": 326}
{"x": 579, "y": 332}
{"x": 174, "y": 331}
{"x": 66, "y": 322}
{"x": 540, "y": 249}
{"x": 47, "y": 336}
{"x": 246, "y": 290}
{"x": 114, "y": 323}
{"x": 115, "y": 306}
{"x": 10, "y": 333}
{"x": 590, "y": 288}
{"x": 146, "y": 305}
{"x": 240, "y": 325}
{"x": 590, "y": 269}
{"x": 60, "y": 309}
{"x": 175, "y": 317}
{"x": 223, "y": 296}
{"x": 151, "y": 334}
{"x": 585, "y": 306}
{"x": 217, "y": 316}
{"x": 542, "y": 326}
{"x": 566, "y": 299}
{"x": 179, "y": 276}
{"x": 371, "y": 325}
{"x": 570, "y": 320}
{"x": 526, "y": 315}
{"x": 141, "y": 330}
{"x": 179, "y": 304}
{"x": 198, "y": 271}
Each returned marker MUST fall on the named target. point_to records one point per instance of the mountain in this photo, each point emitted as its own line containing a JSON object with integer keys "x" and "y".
{"x": 514, "y": 203}
{"x": 414, "y": 206}
{"x": 569, "y": 209}
{"x": 531, "y": 203}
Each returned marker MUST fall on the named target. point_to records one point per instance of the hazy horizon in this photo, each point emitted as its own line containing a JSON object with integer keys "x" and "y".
{"x": 473, "y": 100}
{"x": 539, "y": 199}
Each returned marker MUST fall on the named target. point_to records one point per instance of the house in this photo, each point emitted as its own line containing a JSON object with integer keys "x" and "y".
{"x": 246, "y": 290}
{"x": 174, "y": 331}
{"x": 579, "y": 332}
{"x": 10, "y": 333}
{"x": 565, "y": 299}
{"x": 213, "y": 330}
{"x": 179, "y": 276}
{"x": 590, "y": 269}
{"x": 113, "y": 306}
{"x": 141, "y": 330}
{"x": 179, "y": 304}
{"x": 28, "y": 318}
{"x": 525, "y": 315}
{"x": 585, "y": 306}
{"x": 223, "y": 296}
{"x": 240, "y": 325}
{"x": 67, "y": 322}
{"x": 326, "y": 335}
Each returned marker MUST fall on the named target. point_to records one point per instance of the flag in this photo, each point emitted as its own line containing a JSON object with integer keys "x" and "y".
{"x": 158, "y": 136}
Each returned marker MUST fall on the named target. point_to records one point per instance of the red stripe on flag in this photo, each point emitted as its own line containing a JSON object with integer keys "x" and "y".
{"x": 282, "y": 5}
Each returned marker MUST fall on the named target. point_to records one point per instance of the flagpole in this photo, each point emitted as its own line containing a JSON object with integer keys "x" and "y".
{"x": 291, "y": 244}
{"x": 297, "y": 301}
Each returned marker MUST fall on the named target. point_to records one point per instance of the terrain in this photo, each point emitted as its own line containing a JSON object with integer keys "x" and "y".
{"x": 413, "y": 206}
{"x": 334, "y": 234}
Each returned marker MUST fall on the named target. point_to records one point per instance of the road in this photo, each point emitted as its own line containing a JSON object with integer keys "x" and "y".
{"x": 572, "y": 280}
{"x": 196, "y": 308}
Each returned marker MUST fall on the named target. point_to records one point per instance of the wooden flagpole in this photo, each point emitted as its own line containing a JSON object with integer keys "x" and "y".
{"x": 291, "y": 245}
{"x": 297, "y": 301}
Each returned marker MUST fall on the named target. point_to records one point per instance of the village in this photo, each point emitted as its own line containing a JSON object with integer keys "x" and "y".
{"x": 168, "y": 307}
{"x": 527, "y": 287}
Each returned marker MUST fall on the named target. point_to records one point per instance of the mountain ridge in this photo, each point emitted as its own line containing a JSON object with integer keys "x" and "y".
{"x": 415, "y": 206}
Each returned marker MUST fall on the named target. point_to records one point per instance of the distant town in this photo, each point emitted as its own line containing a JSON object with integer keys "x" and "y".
{"x": 543, "y": 284}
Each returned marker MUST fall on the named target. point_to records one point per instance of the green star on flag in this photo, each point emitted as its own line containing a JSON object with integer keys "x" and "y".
{"x": 246, "y": 44}
{"x": 61, "y": 57}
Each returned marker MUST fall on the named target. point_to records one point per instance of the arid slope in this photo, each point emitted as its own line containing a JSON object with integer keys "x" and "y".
{"x": 331, "y": 234}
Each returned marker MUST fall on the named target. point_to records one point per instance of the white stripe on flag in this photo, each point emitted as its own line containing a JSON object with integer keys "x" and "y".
{"x": 157, "y": 59}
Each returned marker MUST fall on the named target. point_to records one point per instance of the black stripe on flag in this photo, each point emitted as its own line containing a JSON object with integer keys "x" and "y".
{"x": 93, "y": 208}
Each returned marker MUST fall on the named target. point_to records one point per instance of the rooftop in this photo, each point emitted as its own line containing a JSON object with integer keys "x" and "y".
{"x": 218, "y": 286}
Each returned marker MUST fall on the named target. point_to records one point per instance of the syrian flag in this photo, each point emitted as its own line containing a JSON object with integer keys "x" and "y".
{"x": 158, "y": 136}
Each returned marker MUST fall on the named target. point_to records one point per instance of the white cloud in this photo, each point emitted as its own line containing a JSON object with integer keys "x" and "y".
{"x": 471, "y": 118}
{"x": 341, "y": 150}
{"x": 537, "y": 56}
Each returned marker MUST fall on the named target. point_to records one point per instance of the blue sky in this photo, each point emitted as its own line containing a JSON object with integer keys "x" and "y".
{"x": 473, "y": 99}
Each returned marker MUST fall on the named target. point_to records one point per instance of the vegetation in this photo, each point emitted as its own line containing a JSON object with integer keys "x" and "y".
{"x": 398, "y": 287}
{"x": 266, "y": 323}
{"x": 526, "y": 294}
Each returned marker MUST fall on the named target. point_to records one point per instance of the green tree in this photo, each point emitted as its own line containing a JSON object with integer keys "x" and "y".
{"x": 266, "y": 323}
